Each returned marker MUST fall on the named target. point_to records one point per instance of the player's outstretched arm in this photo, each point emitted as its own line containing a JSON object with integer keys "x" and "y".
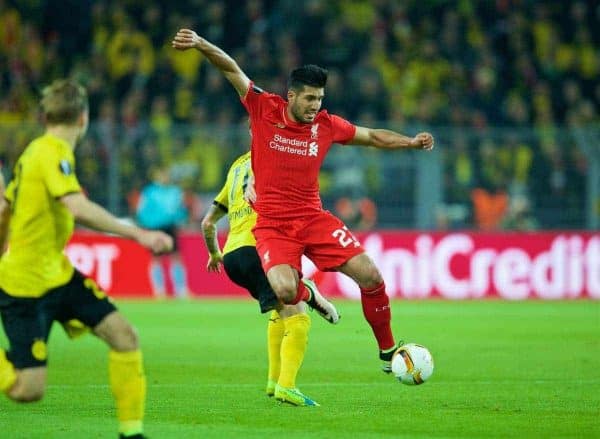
{"x": 209, "y": 232}
{"x": 188, "y": 39}
{"x": 387, "y": 139}
{"x": 92, "y": 215}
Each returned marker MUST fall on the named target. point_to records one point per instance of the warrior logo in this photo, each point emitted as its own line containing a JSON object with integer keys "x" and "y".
{"x": 313, "y": 149}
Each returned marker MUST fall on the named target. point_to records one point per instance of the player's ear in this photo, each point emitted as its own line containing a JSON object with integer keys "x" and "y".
{"x": 290, "y": 95}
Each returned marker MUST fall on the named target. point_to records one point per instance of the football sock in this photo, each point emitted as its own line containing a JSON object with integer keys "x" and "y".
{"x": 8, "y": 376}
{"x": 293, "y": 347}
{"x": 128, "y": 385}
{"x": 179, "y": 278}
{"x": 158, "y": 278}
{"x": 303, "y": 293}
{"x": 275, "y": 330}
{"x": 376, "y": 309}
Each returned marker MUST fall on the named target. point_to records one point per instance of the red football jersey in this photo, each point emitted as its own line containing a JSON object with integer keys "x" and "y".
{"x": 287, "y": 156}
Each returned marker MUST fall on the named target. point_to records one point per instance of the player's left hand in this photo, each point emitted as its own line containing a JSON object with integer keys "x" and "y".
{"x": 214, "y": 262}
{"x": 423, "y": 141}
{"x": 156, "y": 241}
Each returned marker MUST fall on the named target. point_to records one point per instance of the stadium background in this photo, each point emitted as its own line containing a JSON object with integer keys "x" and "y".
{"x": 508, "y": 88}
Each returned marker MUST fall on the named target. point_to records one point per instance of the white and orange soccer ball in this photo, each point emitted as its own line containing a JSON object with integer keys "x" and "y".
{"x": 412, "y": 364}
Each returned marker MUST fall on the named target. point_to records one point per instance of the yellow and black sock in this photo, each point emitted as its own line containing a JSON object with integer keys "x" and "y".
{"x": 275, "y": 330}
{"x": 293, "y": 348}
{"x": 128, "y": 385}
{"x": 8, "y": 376}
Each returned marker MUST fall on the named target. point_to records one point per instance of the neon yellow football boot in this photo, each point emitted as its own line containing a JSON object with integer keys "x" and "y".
{"x": 293, "y": 396}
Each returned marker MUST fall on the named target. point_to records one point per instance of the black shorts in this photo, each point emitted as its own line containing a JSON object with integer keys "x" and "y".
{"x": 27, "y": 321}
{"x": 243, "y": 267}
{"x": 172, "y": 232}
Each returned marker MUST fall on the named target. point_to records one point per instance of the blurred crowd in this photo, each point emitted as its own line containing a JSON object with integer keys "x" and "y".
{"x": 527, "y": 66}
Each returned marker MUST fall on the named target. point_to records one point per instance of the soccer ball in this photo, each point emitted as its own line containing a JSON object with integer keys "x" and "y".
{"x": 412, "y": 364}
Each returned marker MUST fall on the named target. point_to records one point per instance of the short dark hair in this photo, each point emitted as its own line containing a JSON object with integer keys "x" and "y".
{"x": 310, "y": 74}
{"x": 63, "y": 102}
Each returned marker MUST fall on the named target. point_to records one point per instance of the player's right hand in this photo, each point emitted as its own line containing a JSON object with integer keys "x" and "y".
{"x": 185, "y": 39}
{"x": 214, "y": 262}
{"x": 156, "y": 241}
{"x": 423, "y": 141}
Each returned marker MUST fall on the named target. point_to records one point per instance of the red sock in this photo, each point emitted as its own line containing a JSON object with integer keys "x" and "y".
{"x": 376, "y": 308}
{"x": 302, "y": 294}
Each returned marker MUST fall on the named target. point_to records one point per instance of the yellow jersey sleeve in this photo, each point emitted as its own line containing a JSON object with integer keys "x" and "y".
{"x": 222, "y": 198}
{"x": 58, "y": 171}
{"x": 242, "y": 217}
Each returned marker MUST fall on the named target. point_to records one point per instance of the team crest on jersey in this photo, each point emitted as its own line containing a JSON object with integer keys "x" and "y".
{"x": 314, "y": 131}
{"x": 65, "y": 167}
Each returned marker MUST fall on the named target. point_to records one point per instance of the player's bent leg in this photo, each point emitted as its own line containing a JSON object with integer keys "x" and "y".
{"x": 375, "y": 303}
{"x": 363, "y": 271}
{"x": 29, "y": 384}
{"x": 117, "y": 332}
{"x": 8, "y": 375}
{"x": 126, "y": 372}
{"x": 26, "y": 384}
{"x": 284, "y": 281}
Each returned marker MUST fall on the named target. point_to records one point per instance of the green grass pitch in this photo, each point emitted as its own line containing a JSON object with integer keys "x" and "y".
{"x": 503, "y": 369}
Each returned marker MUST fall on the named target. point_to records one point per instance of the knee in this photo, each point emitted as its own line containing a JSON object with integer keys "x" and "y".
{"x": 285, "y": 289}
{"x": 371, "y": 278}
{"x": 31, "y": 396}
{"x": 125, "y": 339}
{"x": 292, "y": 310}
{"x": 24, "y": 392}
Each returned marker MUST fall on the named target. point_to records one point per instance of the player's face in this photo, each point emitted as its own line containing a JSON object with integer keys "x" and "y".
{"x": 305, "y": 105}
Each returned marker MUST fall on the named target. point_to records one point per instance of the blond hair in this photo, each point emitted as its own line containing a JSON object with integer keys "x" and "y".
{"x": 63, "y": 102}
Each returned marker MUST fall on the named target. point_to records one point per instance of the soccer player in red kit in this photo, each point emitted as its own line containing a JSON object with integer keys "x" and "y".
{"x": 290, "y": 140}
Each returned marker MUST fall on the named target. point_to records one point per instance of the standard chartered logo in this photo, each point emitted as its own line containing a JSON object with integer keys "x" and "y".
{"x": 294, "y": 146}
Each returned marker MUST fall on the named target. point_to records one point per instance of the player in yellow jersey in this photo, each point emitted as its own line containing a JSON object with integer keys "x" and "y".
{"x": 242, "y": 265}
{"x": 38, "y": 284}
